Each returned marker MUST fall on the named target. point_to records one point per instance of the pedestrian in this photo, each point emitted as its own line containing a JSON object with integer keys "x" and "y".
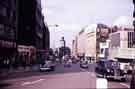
{"x": 132, "y": 83}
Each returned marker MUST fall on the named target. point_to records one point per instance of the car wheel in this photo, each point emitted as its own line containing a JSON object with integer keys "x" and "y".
{"x": 52, "y": 68}
{"x": 40, "y": 70}
{"x": 96, "y": 69}
{"x": 123, "y": 79}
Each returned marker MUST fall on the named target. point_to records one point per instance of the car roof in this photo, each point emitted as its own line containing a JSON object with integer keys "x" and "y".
{"x": 107, "y": 60}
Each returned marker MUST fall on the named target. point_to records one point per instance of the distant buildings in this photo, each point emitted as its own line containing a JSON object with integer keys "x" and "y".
{"x": 89, "y": 40}
{"x": 99, "y": 41}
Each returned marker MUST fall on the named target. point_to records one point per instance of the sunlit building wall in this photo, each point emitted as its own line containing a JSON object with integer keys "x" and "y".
{"x": 89, "y": 40}
{"x": 81, "y": 43}
{"x": 121, "y": 44}
{"x": 74, "y": 47}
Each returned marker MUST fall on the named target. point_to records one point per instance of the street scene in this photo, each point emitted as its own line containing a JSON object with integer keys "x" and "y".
{"x": 67, "y": 44}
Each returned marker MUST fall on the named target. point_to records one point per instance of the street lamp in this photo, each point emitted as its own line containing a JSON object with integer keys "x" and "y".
{"x": 55, "y": 25}
{"x": 63, "y": 44}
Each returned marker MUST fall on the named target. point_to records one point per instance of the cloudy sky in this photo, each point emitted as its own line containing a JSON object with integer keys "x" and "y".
{"x": 72, "y": 15}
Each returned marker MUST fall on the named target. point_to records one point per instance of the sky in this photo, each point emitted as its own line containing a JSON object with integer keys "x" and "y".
{"x": 73, "y": 15}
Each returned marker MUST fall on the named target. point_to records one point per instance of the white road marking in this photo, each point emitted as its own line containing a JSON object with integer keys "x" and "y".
{"x": 83, "y": 69}
{"x": 32, "y": 82}
{"x": 92, "y": 74}
{"x": 125, "y": 85}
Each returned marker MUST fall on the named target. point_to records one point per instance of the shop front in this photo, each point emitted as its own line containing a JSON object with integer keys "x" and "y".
{"x": 7, "y": 53}
{"x": 26, "y": 55}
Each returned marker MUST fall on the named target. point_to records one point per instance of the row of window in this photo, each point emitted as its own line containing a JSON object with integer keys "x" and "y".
{"x": 131, "y": 38}
{"x": 8, "y": 13}
{"x": 7, "y": 32}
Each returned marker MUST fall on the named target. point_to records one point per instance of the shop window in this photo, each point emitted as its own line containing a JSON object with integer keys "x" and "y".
{"x": 1, "y": 29}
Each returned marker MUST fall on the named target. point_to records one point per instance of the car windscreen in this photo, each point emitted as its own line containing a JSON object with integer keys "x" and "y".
{"x": 111, "y": 64}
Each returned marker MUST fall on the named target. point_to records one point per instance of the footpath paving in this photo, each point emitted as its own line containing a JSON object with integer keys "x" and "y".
{"x": 13, "y": 73}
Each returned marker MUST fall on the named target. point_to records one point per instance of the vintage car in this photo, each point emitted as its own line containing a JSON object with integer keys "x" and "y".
{"x": 49, "y": 64}
{"x": 110, "y": 69}
{"x": 84, "y": 64}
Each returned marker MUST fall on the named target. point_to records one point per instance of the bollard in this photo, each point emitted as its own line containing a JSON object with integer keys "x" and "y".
{"x": 101, "y": 83}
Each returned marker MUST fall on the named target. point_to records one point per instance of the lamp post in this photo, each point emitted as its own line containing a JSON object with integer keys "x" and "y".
{"x": 63, "y": 44}
{"x": 62, "y": 48}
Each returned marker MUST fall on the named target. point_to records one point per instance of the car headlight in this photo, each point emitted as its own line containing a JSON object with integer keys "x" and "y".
{"x": 108, "y": 70}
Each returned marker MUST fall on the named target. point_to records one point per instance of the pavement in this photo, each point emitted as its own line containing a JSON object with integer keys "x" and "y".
{"x": 12, "y": 73}
{"x": 62, "y": 78}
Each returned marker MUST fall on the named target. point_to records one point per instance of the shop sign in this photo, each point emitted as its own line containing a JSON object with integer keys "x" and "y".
{"x": 7, "y": 44}
{"x": 104, "y": 45}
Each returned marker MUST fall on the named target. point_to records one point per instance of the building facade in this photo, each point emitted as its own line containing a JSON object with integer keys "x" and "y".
{"x": 121, "y": 44}
{"x": 32, "y": 31}
{"x": 74, "y": 47}
{"x": 8, "y": 47}
{"x": 23, "y": 31}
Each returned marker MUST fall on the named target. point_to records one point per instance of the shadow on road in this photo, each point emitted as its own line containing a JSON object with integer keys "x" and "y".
{"x": 4, "y": 85}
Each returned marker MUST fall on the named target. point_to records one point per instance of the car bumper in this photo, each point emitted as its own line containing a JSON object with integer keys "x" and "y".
{"x": 84, "y": 66}
{"x": 45, "y": 68}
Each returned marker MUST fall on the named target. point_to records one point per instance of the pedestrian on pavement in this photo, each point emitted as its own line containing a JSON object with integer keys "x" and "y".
{"x": 132, "y": 83}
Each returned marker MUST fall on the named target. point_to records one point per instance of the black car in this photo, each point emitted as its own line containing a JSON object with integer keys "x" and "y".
{"x": 48, "y": 66}
{"x": 109, "y": 69}
{"x": 84, "y": 64}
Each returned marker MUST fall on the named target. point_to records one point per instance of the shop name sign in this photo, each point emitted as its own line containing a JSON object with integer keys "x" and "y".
{"x": 7, "y": 44}
{"x": 104, "y": 45}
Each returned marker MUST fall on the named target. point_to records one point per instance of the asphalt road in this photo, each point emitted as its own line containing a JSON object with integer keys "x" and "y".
{"x": 62, "y": 78}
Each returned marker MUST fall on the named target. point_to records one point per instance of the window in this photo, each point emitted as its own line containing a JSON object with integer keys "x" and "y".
{"x": 131, "y": 37}
{"x": 1, "y": 29}
{"x": 102, "y": 51}
{"x": 3, "y": 10}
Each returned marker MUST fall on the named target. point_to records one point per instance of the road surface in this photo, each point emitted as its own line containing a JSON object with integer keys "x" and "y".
{"x": 62, "y": 78}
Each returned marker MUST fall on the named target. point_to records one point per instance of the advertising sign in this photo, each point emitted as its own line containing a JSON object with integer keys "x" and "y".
{"x": 104, "y": 32}
{"x": 104, "y": 45}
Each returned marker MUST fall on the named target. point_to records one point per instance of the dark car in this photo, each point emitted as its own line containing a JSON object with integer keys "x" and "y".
{"x": 84, "y": 64}
{"x": 49, "y": 64}
{"x": 109, "y": 69}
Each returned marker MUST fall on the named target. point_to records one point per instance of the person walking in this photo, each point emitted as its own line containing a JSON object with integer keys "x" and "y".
{"x": 132, "y": 83}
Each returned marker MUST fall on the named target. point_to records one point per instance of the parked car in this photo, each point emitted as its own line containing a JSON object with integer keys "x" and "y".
{"x": 110, "y": 69}
{"x": 125, "y": 65}
{"x": 48, "y": 66}
{"x": 84, "y": 64}
{"x": 68, "y": 63}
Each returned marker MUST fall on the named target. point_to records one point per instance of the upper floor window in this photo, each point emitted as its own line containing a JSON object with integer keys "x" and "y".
{"x": 3, "y": 11}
